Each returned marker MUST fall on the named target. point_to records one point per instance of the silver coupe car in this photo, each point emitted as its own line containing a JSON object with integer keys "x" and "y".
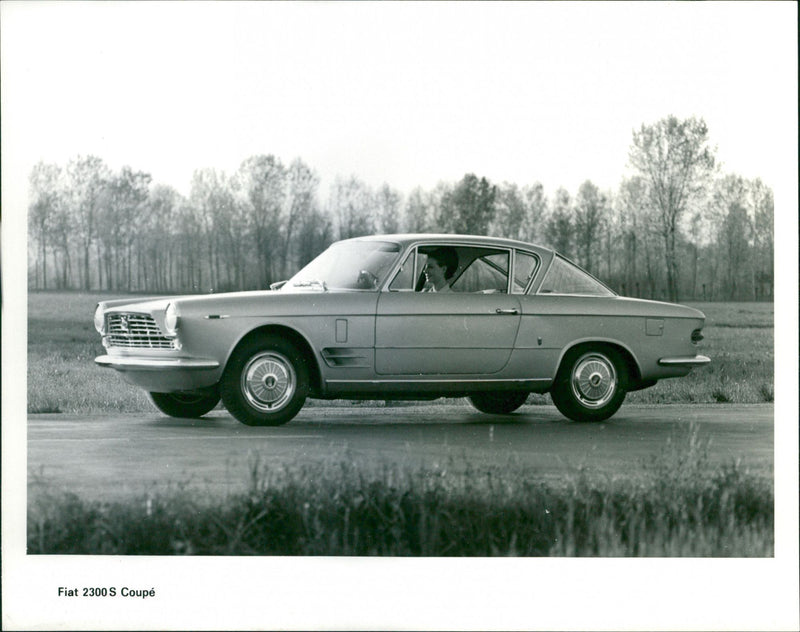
{"x": 403, "y": 317}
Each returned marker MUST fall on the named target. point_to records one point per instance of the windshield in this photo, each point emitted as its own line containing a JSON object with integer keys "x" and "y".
{"x": 347, "y": 265}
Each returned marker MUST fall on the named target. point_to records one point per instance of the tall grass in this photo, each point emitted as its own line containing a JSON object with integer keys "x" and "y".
{"x": 62, "y": 345}
{"x": 675, "y": 504}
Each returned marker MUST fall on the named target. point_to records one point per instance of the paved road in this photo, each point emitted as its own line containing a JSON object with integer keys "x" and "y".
{"x": 113, "y": 456}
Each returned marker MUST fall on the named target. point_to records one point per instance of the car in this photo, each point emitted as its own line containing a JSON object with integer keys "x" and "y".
{"x": 359, "y": 322}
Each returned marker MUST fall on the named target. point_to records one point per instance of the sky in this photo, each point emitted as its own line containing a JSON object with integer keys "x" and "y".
{"x": 403, "y": 93}
{"x": 409, "y": 94}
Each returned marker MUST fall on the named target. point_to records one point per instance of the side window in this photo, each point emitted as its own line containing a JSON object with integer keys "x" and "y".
{"x": 404, "y": 279}
{"x": 524, "y": 269}
{"x": 487, "y": 273}
{"x": 565, "y": 278}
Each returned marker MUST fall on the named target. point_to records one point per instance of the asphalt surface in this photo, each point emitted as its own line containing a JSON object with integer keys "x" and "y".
{"x": 129, "y": 455}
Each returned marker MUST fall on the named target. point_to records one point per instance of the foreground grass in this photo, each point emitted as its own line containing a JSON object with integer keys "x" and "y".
{"x": 62, "y": 345}
{"x": 676, "y": 504}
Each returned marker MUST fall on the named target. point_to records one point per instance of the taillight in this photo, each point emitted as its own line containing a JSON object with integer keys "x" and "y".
{"x": 697, "y": 336}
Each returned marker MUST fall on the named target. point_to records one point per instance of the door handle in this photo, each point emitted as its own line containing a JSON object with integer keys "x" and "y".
{"x": 512, "y": 311}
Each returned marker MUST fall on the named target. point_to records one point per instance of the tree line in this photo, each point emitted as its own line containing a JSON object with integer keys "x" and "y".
{"x": 676, "y": 229}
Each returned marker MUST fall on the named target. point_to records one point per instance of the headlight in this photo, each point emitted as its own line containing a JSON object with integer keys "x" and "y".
{"x": 100, "y": 320}
{"x": 171, "y": 320}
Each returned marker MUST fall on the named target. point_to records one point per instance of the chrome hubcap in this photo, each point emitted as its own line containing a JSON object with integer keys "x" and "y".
{"x": 268, "y": 381}
{"x": 594, "y": 380}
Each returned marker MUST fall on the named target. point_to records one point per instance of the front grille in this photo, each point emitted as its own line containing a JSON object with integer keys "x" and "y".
{"x": 136, "y": 331}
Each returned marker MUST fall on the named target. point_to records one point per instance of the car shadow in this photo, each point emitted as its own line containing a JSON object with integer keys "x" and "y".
{"x": 188, "y": 422}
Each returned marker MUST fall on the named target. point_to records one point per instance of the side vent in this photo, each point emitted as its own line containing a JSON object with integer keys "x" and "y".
{"x": 347, "y": 357}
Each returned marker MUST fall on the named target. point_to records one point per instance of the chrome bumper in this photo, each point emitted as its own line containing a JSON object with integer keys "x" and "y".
{"x": 121, "y": 363}
{"x": 689, "y": 361}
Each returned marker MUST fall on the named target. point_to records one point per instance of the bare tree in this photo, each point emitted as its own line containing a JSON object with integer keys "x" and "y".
{"x": 536, "y": 211}
{"x": 301, "y": 206}
{"x": 590, "y": 212}
{"x": 120, "y": 224}
{"x": 610, "y": 233}
{"x": 730, "y": 216}
{"x": 387, "y": 206}
{"x": 632, "y": 194}
{"x": 45, "y": 202}
{"x": 443, "y": 212}
{"x": 62, "y": 225}
{"x": 315, "y": 234}
{"x": 351, "y": 203}
{"x": 675, "y": 159}
{"x": 190, "y": 236}
{"x": 762, "y": 203}
{"x": 87, "y": 178}
{"x": 159, "y": 247}
{"x": 418, "y": 211}
{"x": 695, "y": 230}
{"x": 559, "y": 230}
{"x": 511, "y": 211}
{"x": 263, "y": 185}
{"x": 471, "y": 205}
{"x": 132, "y": 194}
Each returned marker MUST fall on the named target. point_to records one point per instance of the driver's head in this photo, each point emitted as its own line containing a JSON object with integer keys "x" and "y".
{"x": 446, "y": 258}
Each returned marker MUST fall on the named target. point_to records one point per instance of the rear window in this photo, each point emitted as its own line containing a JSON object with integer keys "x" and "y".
{"x": 487, "y": 273}
{"x": 565, "y": 278}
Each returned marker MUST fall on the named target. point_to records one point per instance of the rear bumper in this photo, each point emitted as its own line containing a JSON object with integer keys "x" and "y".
{"x": 685, "y": 361}
{"x": 164, "y": 375}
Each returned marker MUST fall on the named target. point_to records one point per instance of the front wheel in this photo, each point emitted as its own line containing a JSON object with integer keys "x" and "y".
{"x": 498, "y": 403}
{"x": 265, "y": 382}
{"x": 590, "y": 385}
{"x": 184, "y": 405}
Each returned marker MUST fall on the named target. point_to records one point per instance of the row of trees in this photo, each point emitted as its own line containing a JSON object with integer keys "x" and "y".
{"x": 677, "y": 229}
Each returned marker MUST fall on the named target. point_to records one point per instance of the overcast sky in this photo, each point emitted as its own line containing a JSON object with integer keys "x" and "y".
{"x": 408, "y": 94}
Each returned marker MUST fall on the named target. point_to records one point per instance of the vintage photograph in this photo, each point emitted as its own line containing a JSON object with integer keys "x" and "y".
{"x": 359, "y": 304}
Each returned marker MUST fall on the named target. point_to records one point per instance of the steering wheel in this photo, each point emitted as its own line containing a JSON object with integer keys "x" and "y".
{"x": 366, "y": 280}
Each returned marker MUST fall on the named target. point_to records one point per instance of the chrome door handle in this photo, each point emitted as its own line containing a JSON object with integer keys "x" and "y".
{"x": 512, "y": 311}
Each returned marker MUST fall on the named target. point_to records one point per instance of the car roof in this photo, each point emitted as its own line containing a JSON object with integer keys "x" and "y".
{"x": 407, "y": 238}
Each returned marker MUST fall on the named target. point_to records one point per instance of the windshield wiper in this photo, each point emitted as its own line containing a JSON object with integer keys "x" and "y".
{"x": 311, "y": 283}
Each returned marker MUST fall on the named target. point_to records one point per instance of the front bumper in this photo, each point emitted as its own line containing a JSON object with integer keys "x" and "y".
{"x": 685, "y": 361}
{"x": 164, "y": 375}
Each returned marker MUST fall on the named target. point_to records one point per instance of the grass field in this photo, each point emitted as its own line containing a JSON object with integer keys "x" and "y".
{"x": 674, "y": 505}
{"x": 62, "y": 345}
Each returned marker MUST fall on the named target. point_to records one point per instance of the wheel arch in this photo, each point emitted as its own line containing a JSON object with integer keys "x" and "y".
{"x": 634, "y": 376}
{"x": 297, "y": 339}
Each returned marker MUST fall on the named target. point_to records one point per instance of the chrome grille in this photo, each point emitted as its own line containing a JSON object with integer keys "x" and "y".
{"x": 138, "y": 331}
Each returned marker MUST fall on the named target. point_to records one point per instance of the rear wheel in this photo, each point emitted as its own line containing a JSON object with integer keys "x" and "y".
{"x": 184, "y": 405}
{"x": 590, "y": 385}
{"x": 498, "y": 403}
{"x": 265, "y": 382}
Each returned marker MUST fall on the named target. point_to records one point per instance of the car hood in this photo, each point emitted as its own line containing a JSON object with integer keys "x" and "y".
{"x": 251, "y": 303}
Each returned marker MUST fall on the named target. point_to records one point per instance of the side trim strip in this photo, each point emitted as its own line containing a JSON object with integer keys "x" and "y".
{"x": 445, "y": 381}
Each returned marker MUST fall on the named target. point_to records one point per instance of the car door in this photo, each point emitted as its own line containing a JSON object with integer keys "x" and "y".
{"x": 470, "y": 330}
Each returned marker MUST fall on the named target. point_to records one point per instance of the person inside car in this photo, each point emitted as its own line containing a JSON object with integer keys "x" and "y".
{"x": 439, "y": 270}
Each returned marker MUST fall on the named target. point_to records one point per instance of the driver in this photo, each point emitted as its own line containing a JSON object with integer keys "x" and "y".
{"x": 439, "y": 270}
